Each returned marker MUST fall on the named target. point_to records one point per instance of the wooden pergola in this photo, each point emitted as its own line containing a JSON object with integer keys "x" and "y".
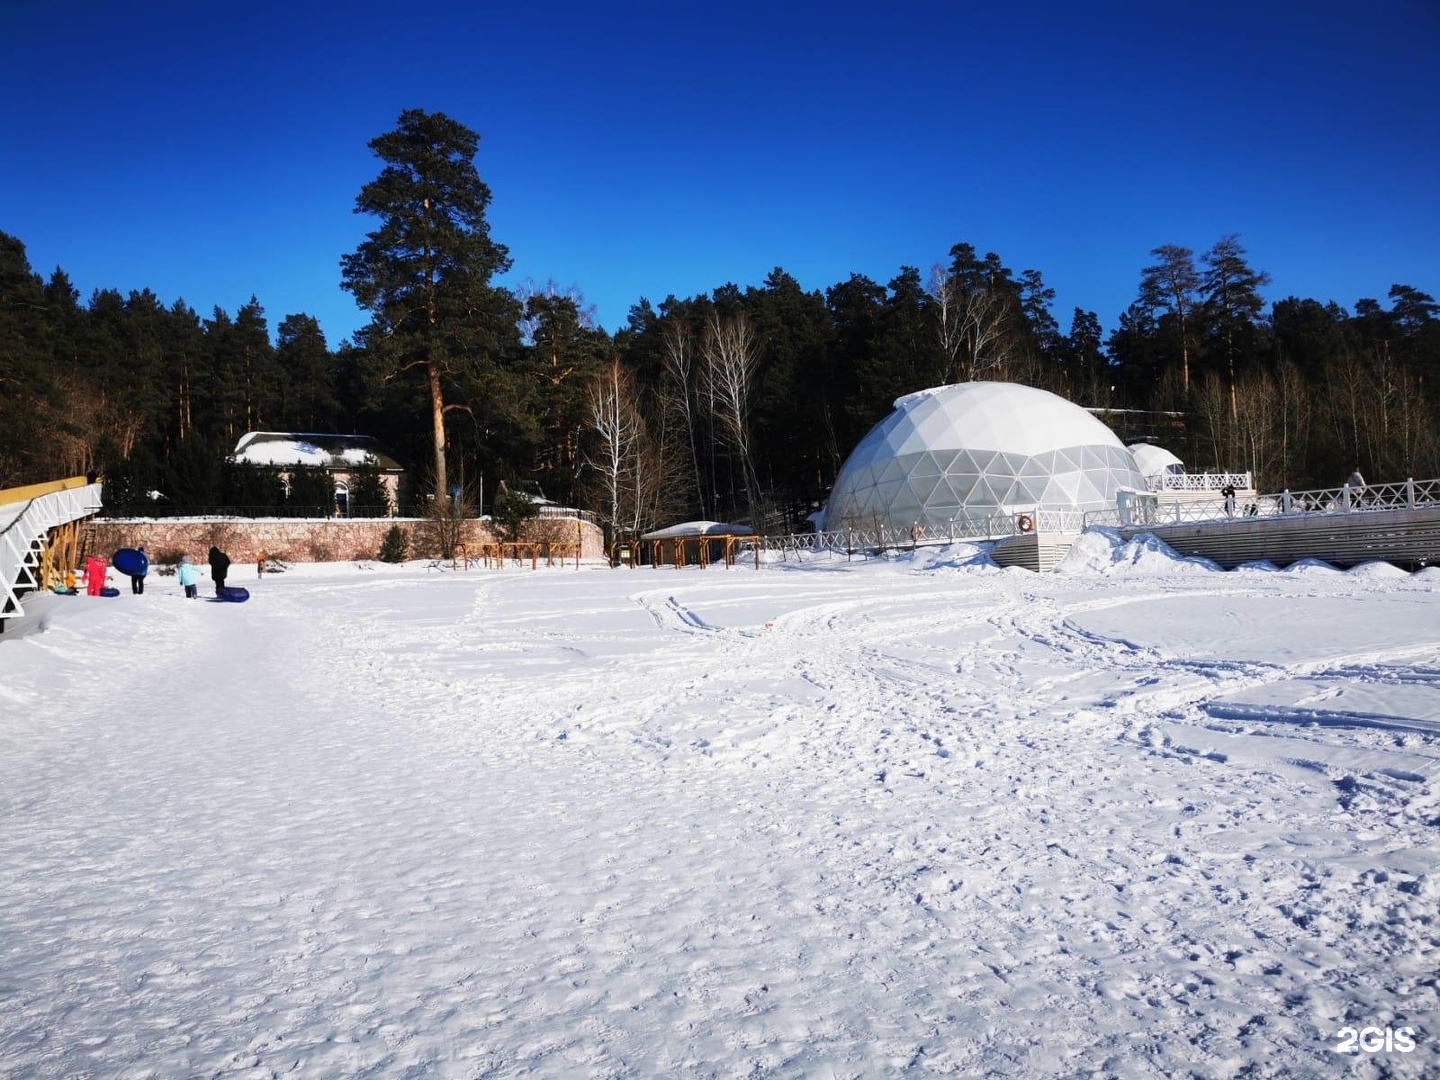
{"x": 682, "y": 551}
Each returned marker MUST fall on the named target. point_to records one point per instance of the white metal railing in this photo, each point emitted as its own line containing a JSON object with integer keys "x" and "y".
{"x": 567, "y": 512}
{"x": 1145, "y": 509}
{"x": 23, "y": 526}
{"x": 878, "y": 537}
{"x": 1198, "y": 481}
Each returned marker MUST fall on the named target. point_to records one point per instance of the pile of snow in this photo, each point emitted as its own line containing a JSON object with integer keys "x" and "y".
{"x": 1307, "y": 567}
{"x": 1378, "y": 570}
{"x": 967, "y": 556}
{"x": 1105, "y": 551}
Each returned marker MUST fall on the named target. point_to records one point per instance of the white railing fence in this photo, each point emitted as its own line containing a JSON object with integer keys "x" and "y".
{"x": 1135, "y": 509}
{"x": 567, "y": 512}
{"x": 878, "y": 537}
{"x": 1213, "y": 481}
{"x": 1143, "y": 510}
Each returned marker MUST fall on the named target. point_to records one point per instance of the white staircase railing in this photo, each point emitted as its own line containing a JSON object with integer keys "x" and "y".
{"x": 26, "y": 516}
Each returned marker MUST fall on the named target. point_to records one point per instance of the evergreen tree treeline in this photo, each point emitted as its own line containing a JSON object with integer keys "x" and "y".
{"x": 735, "y": 404}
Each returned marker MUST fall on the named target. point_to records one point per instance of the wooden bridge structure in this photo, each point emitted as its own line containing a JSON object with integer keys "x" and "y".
{"x": 40, "y": 537}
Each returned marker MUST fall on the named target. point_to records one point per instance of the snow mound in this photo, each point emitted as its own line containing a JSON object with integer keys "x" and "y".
{"x": 1311, "y": 566}
{"x": 964, "y": 556}
{"x": 1260, "y": 566}
{"x": 1378, "y": 569}
{"x": 1105, "y": 551}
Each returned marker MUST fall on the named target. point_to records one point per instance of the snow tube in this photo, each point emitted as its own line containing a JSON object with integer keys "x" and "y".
{"x": 232, "y": 594}
{"x": 109, "y": 590}
{"x": 132, "y": 562}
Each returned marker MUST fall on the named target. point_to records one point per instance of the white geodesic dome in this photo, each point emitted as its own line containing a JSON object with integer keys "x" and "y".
{"x": 968, "y": 451}
{"x": 1153, "y": 462}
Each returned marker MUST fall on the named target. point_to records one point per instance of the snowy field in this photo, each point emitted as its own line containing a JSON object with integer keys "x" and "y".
{"x": 906, "y": 817}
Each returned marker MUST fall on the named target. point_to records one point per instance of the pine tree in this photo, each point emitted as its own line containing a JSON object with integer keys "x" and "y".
{"x": 369, "y": 497}
{"x": 1169, "y": 288}
{"x": 311, "y": 493}
{"x": 1231, "y": 304}
{"x": 424, "y": 273}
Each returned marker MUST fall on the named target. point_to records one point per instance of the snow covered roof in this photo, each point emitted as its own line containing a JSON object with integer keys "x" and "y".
{"x": 699, "y": 528}
{"x": 288, "y": 448}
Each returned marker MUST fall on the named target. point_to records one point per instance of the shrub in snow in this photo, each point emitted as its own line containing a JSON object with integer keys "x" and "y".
{"x": 395, "y": 548}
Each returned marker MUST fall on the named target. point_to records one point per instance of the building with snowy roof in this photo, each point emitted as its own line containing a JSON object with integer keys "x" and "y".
{"x": 338, "y": 455}
{"x": 979, "y": 451}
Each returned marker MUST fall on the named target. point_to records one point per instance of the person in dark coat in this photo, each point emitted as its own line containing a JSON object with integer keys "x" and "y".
{"x": 137, "y": 581}
{"x": 219, "y": 567}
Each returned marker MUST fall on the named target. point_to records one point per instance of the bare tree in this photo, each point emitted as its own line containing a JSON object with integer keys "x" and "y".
{"x": 679, "y": 343}
{"x": 1294, "y": 410}
{"x": 618, "y": 429}
{"x": 945, "y": 291}
{"x": 730, "y": 359}
{"x": 989, "y": 345}
{"x": 448, "y": 522}
{"x": 973, "y": 327}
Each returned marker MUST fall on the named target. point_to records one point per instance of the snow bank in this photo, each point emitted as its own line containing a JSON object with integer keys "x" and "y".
{"x": 1104, "y": 551}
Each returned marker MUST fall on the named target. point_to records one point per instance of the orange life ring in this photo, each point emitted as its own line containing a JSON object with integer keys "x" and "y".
{"x": 1025, "y": 523}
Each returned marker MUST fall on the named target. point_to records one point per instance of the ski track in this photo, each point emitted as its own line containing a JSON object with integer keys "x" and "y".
{"x": 730, "y": 824}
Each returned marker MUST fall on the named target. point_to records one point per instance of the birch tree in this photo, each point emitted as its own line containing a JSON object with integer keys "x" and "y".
{"x": 730, "y": 355}
{"x": 616, "y": 425}
{"x": 678, "y": 342}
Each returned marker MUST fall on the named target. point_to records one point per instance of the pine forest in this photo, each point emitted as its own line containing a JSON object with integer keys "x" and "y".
{"x": 735, "y": 405}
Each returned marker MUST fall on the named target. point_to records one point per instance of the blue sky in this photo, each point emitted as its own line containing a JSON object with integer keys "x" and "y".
{"x": 209, "y": 152}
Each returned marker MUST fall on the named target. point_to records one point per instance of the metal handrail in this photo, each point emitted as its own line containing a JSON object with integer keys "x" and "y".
{"x": 1141, "y": 510}
{"x": 567, "y": 512}
{"x": 1199, "y": 481}
{"x": 997, "y": 525}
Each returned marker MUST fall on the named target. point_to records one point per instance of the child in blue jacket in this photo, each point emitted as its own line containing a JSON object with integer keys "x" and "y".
{"x": 189, "y": 575}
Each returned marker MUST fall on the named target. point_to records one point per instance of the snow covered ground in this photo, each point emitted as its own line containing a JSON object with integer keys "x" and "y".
{"x": 905, "y": 817}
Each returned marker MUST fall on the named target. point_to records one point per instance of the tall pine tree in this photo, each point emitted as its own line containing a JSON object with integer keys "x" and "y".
{"x": 424, "y": 273}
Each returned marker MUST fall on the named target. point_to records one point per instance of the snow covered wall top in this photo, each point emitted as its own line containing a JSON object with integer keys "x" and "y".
{"x": 973, "y": 448}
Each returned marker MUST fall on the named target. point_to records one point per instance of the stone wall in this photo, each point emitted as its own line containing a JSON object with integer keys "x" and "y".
{"x": 306, "y": 540}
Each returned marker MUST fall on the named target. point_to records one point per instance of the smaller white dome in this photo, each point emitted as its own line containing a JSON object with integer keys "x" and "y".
{"x": 1153, "y": 461}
